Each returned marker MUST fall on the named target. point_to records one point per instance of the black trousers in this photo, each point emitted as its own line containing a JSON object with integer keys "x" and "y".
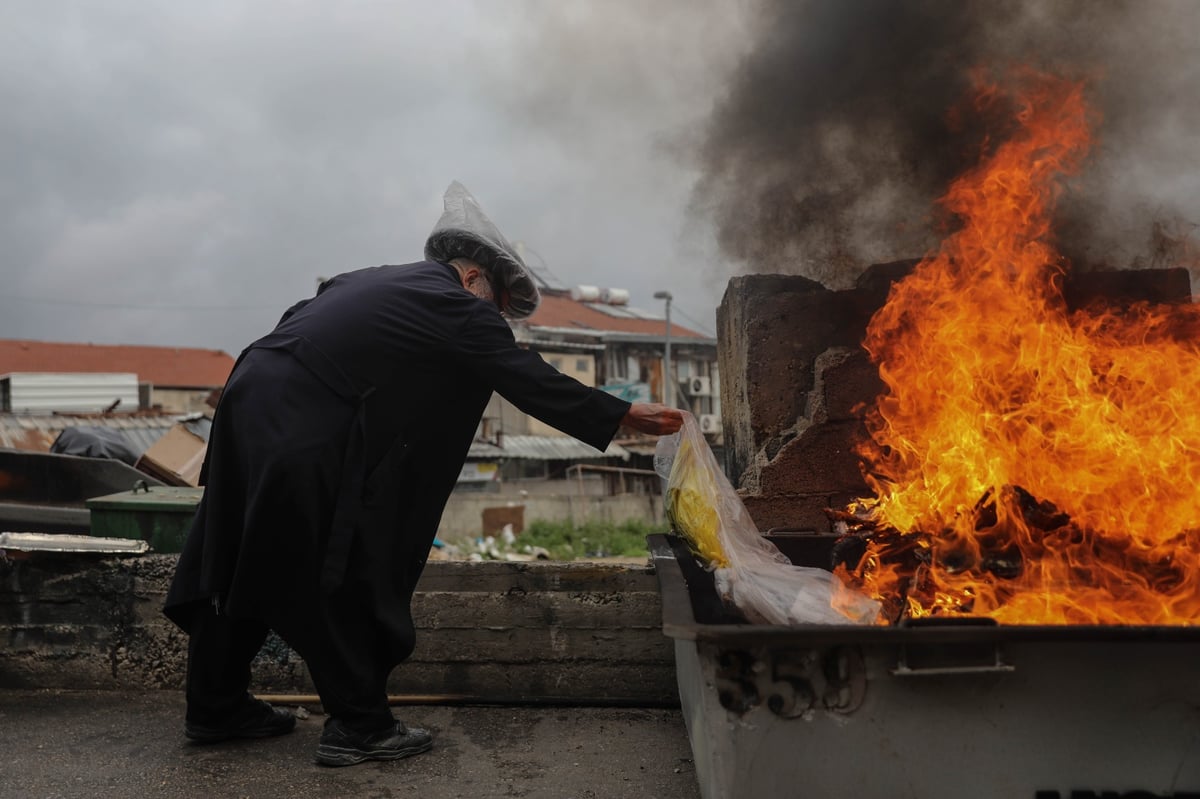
{"x": 341, "y": 648}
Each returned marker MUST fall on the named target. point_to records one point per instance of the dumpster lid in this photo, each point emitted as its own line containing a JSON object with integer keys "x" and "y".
{"x": 150, "y": 498}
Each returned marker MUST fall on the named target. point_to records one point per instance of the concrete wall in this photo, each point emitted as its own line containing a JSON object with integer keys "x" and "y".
{"x": 568, "y": 363}
{"x": 497, "y": 632}
{"x": 463, "y": 518}
{"x": 791, "y": 371}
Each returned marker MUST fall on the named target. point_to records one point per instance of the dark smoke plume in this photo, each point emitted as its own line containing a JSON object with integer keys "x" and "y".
{"x": 844, "y": 123}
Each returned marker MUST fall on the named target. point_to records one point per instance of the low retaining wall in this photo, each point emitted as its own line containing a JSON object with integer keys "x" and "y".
{"x": 463, "y": 517}
{"x": 580, "y": 633}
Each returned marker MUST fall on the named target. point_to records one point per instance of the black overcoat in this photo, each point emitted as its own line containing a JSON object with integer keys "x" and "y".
{"x": 340, "y": 436}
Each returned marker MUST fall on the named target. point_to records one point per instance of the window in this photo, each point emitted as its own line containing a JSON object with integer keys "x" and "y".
{"x": 556, "y": 363}
{"x": 531, "y": 470}
{"x": 616, "y": 367}
{"x": 583, "y": 365}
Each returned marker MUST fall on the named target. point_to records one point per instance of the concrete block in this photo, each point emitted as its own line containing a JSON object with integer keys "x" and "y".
{"x": 602, "y": 682}
{"x": 845, "y": 380}
{"x": 775, "y": 333}
{"x": 821, "y": 460}
{"x": 760, "y": 396}
{"x": 790, "y": 511}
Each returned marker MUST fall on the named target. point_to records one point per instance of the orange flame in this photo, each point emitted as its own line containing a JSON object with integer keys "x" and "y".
{"x": 1041, "y": 464}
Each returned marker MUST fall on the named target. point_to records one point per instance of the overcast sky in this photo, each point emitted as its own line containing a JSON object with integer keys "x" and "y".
{"x": 180, "y": 173}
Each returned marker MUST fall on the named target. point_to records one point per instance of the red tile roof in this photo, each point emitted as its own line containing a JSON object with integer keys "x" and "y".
{"x": 180, "y": 367}
{"x": 561, "y": 311}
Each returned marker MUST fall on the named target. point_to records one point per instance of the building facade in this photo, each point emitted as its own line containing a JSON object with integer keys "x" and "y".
{"x": 599, "y": 339}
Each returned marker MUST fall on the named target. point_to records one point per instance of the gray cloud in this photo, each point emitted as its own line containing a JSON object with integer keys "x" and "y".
{"x": 180, "y": 173}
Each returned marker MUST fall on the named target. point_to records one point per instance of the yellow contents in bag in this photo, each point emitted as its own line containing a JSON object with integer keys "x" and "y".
{"x": 754, "y": 575}
{"x": 692, "y": 496}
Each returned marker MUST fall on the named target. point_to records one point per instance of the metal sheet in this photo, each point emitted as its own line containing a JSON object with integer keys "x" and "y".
{"x": 49, "y": 479}
{"x": 48, "y": 392}
{"x": 44, "y": 542}
{"x": 35, "y": 518}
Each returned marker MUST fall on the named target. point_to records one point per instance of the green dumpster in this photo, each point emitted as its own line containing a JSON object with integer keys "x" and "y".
{"x": 160, "y": 515}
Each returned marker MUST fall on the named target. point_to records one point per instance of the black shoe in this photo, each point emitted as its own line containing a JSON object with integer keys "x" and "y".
{"x": 342, "y": 746}
{"x": 256, "y": 719}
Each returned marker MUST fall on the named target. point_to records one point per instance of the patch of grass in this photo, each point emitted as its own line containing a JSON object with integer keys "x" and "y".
{"x": 565, "y": 541}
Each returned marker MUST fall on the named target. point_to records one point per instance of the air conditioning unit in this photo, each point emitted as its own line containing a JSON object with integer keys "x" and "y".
{"x": 710, "y": 423}
{"x": 699, "y": 386}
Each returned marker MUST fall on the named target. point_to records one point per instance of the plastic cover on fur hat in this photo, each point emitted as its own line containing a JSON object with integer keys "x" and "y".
{"x": 464, "y": 231}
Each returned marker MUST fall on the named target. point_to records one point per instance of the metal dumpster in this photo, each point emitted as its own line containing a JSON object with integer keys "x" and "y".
{"x": 957, "y": 708}
{"x": 44, "y": 492}
{"x": 159, "y": 515}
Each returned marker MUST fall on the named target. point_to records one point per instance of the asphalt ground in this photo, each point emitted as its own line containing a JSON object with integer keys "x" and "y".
{"x": 94, "y": 744}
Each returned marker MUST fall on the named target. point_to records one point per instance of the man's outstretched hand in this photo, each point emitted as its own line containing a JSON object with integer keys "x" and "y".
{"x": 653, "y": 418}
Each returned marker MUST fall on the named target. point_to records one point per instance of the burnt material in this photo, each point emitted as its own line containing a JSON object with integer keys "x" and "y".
{"x": 1114, "y": 289}
{"x": 866, "y": 549}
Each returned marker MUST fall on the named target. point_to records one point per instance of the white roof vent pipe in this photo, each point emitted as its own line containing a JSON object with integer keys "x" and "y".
{"x": 585, "y": 294}
{"x": 615, "y": 296}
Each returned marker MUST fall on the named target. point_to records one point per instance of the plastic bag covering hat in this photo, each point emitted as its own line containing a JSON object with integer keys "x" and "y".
{"x": 464, "y": 231}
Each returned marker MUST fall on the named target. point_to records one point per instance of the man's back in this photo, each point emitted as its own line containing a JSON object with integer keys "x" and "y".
{"x": 375, "y": 321}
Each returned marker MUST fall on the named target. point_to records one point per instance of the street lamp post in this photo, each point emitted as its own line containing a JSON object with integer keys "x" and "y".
{"x": 668, "y": 381}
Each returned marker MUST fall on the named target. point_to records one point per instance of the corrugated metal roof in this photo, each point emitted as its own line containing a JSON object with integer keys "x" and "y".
{"x": 37, "y": 432}
{"x": 544, "y": 448}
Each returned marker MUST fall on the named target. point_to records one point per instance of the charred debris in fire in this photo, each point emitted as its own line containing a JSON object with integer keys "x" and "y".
{"x": 994, "y": 552}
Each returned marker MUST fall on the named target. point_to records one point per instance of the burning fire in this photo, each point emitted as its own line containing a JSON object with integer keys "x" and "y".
{"x": 1029, "y": 463}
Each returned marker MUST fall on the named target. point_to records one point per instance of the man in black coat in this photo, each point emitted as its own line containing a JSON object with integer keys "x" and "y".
{"x": 334, "y": 449}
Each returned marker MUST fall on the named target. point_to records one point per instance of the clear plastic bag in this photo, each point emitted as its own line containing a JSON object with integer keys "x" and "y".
{"x": 748, "y": 570}
{"x": 464, "y": 231}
